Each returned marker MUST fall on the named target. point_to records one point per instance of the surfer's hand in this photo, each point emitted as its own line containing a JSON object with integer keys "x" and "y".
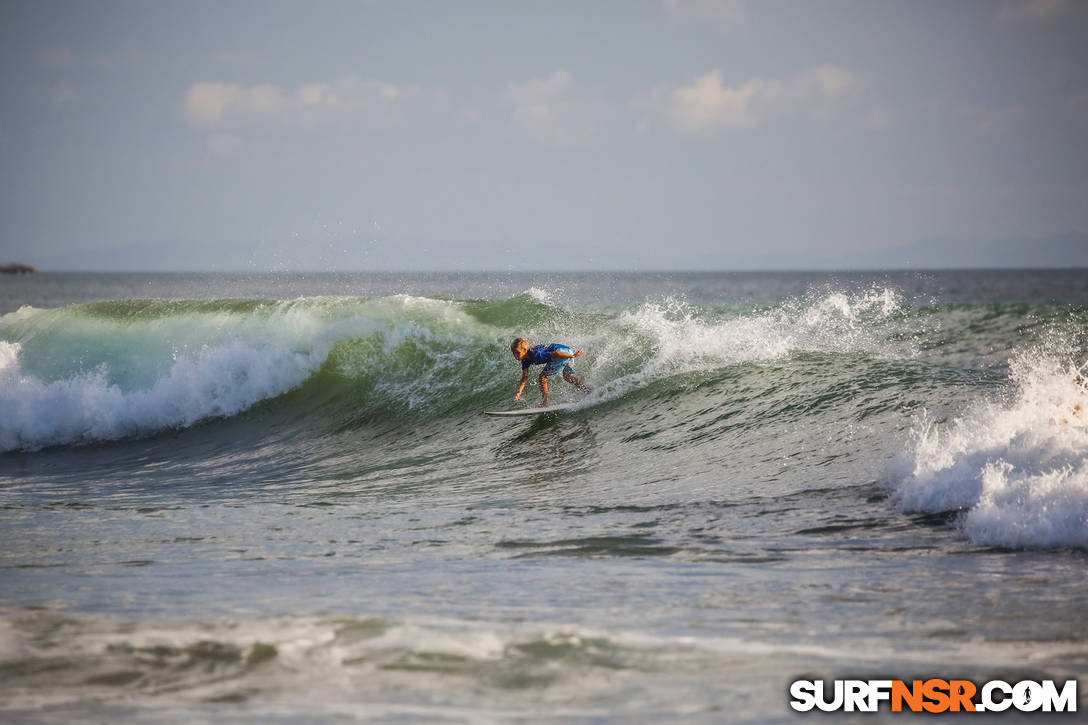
{"x": 517, "y": 396}
{"x": 578, "y": 353}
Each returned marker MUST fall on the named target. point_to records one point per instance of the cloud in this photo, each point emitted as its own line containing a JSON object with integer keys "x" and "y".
{"x": 223, "y": 145}
{"x": 708, "y": 104}
{"x": 348, "y": 100}
{"x": 547, "y": 112}
{"x": 719, "y": 13}
{"x": 1023, "y": 12}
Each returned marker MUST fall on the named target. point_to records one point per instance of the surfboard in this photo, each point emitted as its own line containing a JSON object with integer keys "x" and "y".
{"x": 532, "y": 411}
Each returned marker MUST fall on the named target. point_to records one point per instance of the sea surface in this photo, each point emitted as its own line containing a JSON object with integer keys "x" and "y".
{"x": 275, "y": 499}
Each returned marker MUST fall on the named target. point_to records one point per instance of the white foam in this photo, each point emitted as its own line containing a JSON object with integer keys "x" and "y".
{"x": 681, "y": 341}
{"x": 9, "y": 358}
{"x": 153, "y": 373}
{"x": 1018, "y": 469}
{"x": 219, "y": 381}
{"x": 450, "y": 664}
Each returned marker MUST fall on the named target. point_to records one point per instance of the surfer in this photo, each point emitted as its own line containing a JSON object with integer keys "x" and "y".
{"x": 553, "y": 357}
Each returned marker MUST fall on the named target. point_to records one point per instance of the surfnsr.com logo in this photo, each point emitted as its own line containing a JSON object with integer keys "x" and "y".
{"x": 933, "y": 696}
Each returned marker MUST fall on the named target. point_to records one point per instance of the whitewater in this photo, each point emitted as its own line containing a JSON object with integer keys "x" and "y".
{"x": 243, "y": 498}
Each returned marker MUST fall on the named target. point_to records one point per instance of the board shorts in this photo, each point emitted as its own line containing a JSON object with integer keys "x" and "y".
{"x": 556, "y": 366}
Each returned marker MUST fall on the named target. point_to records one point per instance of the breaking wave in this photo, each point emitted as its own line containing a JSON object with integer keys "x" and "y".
{"x": 1017, "y": 468}
{"x": 105, "y": 371}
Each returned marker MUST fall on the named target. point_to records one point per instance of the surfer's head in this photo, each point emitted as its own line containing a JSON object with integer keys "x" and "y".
{"x": 520, "y": 347}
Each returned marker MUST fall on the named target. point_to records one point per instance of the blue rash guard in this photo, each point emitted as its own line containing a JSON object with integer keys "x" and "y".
{"x": 541, "y": 355}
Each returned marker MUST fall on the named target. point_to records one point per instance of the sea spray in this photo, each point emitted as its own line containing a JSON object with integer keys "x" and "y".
{"x": 673, "y": 337}
{"x": 1017, "y": 469}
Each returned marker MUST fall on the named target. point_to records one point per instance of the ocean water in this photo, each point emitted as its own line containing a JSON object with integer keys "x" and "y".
{"x": 274, "y": 498}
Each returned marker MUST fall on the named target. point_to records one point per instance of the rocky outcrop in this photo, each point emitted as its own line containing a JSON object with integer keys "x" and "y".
{"x": 14, "y": 268}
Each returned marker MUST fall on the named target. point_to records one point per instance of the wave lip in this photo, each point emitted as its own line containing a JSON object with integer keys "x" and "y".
{"x": 1018, "y": 471}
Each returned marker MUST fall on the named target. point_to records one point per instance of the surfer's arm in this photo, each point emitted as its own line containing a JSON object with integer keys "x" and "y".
{"x": 524, "y": 379}
{"x": 561, "y": 355}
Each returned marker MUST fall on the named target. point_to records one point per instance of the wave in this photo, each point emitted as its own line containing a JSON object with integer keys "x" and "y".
{"x": 104, "y": 371}
{"x": 681, "y": 339}
{"x": 132, "y": 368}
{"x": 76, "y": 376}
{"x": 1017, "y": 469}
{"x": 375, "y": 665}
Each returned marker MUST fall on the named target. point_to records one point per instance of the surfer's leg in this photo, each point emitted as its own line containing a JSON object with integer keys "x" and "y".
{"x": 576, "y": 382}
{"x": 544, "y": 388}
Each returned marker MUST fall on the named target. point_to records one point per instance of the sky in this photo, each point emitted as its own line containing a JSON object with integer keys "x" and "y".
{"x": 519, "y": 135}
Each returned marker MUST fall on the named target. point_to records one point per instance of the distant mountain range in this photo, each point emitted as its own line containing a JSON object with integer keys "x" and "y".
{"x": 1063, "y": 251}
{"x": 1066, "y": 250}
